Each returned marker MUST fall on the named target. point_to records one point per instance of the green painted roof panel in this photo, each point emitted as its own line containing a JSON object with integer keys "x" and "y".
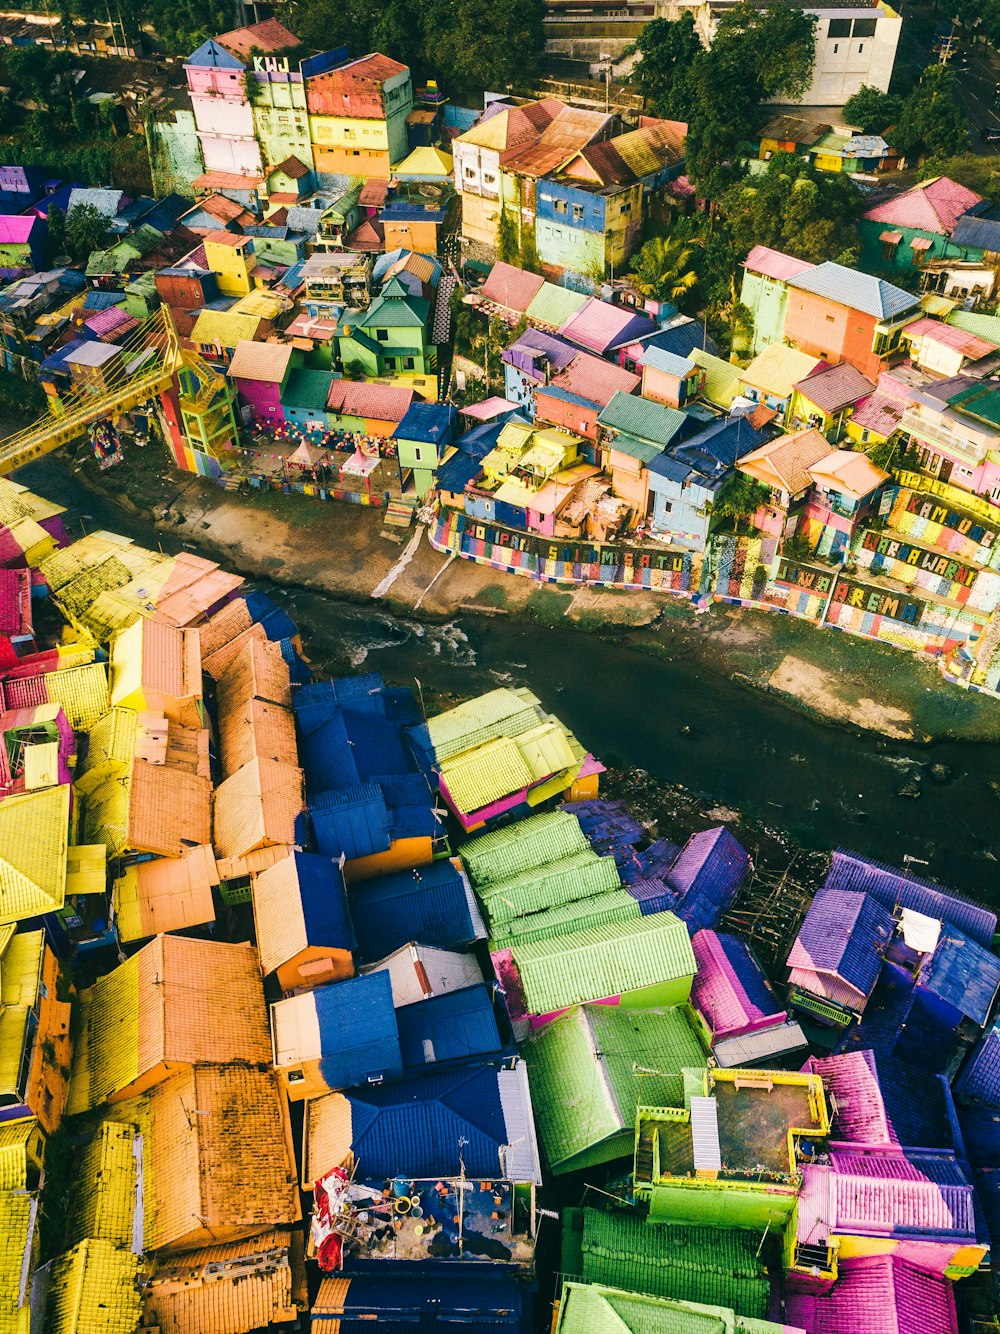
{"x": 521, "y": 847}
{"x": 554, "y": 305}
{"x": 642, "y": 419}
{"x": 577, "y": 876}
{"x": 617, "y": 905}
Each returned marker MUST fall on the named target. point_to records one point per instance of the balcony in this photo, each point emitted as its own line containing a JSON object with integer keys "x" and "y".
{"x": 921, "y": 429}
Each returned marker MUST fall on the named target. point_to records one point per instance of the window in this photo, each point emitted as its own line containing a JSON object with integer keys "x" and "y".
{"x": 296, "y": 1076}
{"x": 864, "y": 27}
{"x": 489, "y": 178}
{"x": 578, "y": 213}
{"x": 830, "y": 319}
{"x": 382, "y": 335}
{"x": 417, "y": 456}
{"x": 839, "y": 28}
{"x": 560, "y": 206}
{"x": 409, "y": 364}
{"x": 861, "y": 48}
{"x": 390, "y": 363}
{"x": 889, "y": 249}
{"x": 667, "y": 507}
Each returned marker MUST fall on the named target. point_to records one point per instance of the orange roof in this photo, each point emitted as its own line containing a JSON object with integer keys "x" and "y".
{"x": 169, "y": 894}
{"x": 234, "y": 868}
{"x": 258, "y": 805}
{"x": 226, "y": 239}
{"x": 215, "y": 663}
{"x": 168, "y": 811}
{"x": 257, "y": 672}
{"x": 849, "y": 472}
{"x": 256, "y": 730}
{"x": 217, "y": 1160}
{"x": 270, "y": 35}
{"x": 222, "y": 628}
{"x": 784, "y": 463}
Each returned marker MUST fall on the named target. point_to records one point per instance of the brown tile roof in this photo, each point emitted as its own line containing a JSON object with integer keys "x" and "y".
{"x": 227, "y": 239}
{"x": 215, "y": 664}
{"x": 377, "y": 402}
{"x": 258, "y": 671}
{"x": 224, "y": 626}
{"x": 787, "y": 460}
{"x": 217, "y": 1157}
{"x": 257, "y": 730}
{"x": 258, "y": 805}
{"x": 270, "y": 35}
{"x": 260, "y": 361}
{"x": 168, "y": 811}
{"x": 293, "y": 167}
{"x": 237, "y": 1286}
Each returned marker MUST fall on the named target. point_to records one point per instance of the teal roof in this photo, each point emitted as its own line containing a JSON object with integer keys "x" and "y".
{"x": 585, "y": 1307}
{"x": 636, "y": 449}
{"x": 980, "y": 400}
{"x": 395, "y": 309}
{"x": 983, "y": 326}
{"x": 617, "y": 905}
{"x": 603, "y": 961}
{"x": 717, "y": 1266}
{"x": 585, "y": 1087}
{"x": 577, "y": 876}
{"x": 523, "y": 846}
{"x": 642, "y": 419}
{"x": 307, "y": 389}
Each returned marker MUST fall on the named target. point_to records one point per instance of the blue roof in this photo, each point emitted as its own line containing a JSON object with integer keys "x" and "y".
{"x": 351, "y": 822}
{"x": 706, "y": 876}
{"x": 278, "y": 625}
{"x": 977, "y": 233}
{"x": 844, "y": 933}
{"x": 376, "y": 744}
{"x": 357, "y": 1029}
{"x": 557, "y": 350}
{"x": 210, "y": 53}
{"x": 898, "y": 1022}
{"x": 102, "y": 300}
{"x": 456, "y": 1026}
{"x": 891, "y": 888}
{"x": 657, "y": 859}
{"x": 652, "y": 895}
{"x": 430, "y": 423}
{"x": 411, "y": 805}
{"x": 859, "y": 291}
{"x": 682, "y": 338}
{"x": 425, "y": 1125}
{"x": 258, "y": 604}
{"x": 398, "y": 211}
{"x": 325, "y": 752}
{"x": 660, "y": 359}
{"x": 60, "y": 199}
{"x": 324, "y": 902}
{"x": 981, "y": 1135}
{"x": 450, "y": 1301}
{"x": 565, "y": 396}
{"x": 430, "y": 905}
{"x": 980, "y": 1080}
{"x": 454, "y": 474}
{"x": 400, "y": 705}
{"x": 962, "y": 974}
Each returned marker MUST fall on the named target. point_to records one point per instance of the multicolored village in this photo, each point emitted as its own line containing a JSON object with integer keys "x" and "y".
{"x": 326, "y": 1004}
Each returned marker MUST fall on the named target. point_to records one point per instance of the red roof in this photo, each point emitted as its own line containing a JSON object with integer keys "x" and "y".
{"x": 594, "y": 378}
{"x": 510, "y": 287}
{"x": 267, "y": 36}
{"x": 932, "y": 206}
{"x": 775, "y": 263}
{"x": 376, "y": 402}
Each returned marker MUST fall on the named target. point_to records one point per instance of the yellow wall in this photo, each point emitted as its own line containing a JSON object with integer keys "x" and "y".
{"x": 480, "y": 219}
{"x": 352, "y": 161}
{"x": 347, "y": 132}
{"x": 232, "y": 268}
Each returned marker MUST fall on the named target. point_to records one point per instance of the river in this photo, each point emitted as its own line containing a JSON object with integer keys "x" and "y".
{"x": 825, "y": 786}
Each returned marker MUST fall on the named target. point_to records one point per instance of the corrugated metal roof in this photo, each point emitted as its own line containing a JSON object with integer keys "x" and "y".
{"x": 845, "y": 933}
{"x": 962, "y": 974}
{"x": 707, "y": 875}
{"x": 454, "y": 1026}
{"x": 600, "y": 326}
{"x": 642, "y": 419}
{"x": 730, "y": 990}
{"x": 858, "y": 291}
{"x": 765, "y": 1046}
{"x": 511, "y": 287}
{"x": 884, "y": 1294}
{"x": 880, "y": 1194}
{"x": 267, "y": 362}
{"x": 553, "y": 306}
{"x": 429, "y": 904}
{"x": 835, "y": 387}
{"x": 931, "y": 206}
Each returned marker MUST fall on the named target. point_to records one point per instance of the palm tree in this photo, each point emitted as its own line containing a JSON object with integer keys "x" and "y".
{"x": 663, "y": 269}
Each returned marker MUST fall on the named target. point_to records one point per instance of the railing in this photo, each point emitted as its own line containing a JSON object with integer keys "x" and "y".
{"x": 915, "y": 425}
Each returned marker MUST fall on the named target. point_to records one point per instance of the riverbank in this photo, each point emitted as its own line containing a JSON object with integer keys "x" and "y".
{"x": 338, "y": 549}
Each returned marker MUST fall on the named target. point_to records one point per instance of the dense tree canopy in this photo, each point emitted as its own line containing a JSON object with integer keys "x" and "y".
{"x": 85, "y": 228}
{"x": 667, "y": 51}
{"x": 793, "y": 207}
{"x": 871, "y": 111}
{"x": 931, "y": 120}
{"x": 664, "y": 269}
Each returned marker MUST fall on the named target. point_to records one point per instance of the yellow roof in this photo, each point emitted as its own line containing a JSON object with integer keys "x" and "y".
{"x": 21, "y": 968}
{"x": 224, "y": 327}
{"x": 34, "y": 833}
{"x": 102, "y": 1201}
{"x": 426, "y": 161}
{"x": 17, "y": 1226}
{"x": 239, "y": 1285}
{"x": 722, "y": 378}
{"x": 87, "y": 869}
{"x": 94, "y": 1289}
{"x": 22, "y": 1145}
{"x": 37, "y": 507}
{"x": 13, "y": 1035}
{"x": 110, "y": 747}
{"x": 223, "y": 1174}
{"x": 260, "y": 302}
{"x": 778, "y": 369}
{"x": 278, "y": 915}
{"x": 168, "y": 894}
{"x": 82, "y": 692}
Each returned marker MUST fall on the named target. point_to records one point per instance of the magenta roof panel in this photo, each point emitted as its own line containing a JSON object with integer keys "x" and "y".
{"x": 880, "y": 1294}
{"x": 594, "y": 378}
{"x": 878, "y": 413}
{"x": 15, "y": 602}
{"x": 891, "y": 1194}
{"x": 775, "y": 263}
{"x": 16, "y": 230}
{"x": 598, "y": 325}
{"x": 932, "y": 206}
{"x": 859, "y": 1115}
{"x": 103, "y": 322}
{"x": 719, "y": 994}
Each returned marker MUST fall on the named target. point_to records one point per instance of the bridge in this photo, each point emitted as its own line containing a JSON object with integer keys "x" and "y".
{"x": 147, "y": 364}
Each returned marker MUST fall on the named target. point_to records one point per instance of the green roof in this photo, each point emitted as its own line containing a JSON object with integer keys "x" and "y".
{"x": 523, "y": 846}
{"x": 584, "y": 1084}
{"x": 980, "y": 400}
{"x": 497, "y": 713}
{"x": 642, "y": 419}
{"x": 577, "y": 876}
{"x": 717, "y": 1266}
{"x": 603, "y": 961}
{"x": 636, "y": 449}
{"x": 617, "y": 905}
{"x": 722, "y": 378}
{"x": 983, "y": 326}
{"x": 554, "y": 305}
{"x": 307, "y": 389}
{"x": 395, "y": 309}
{"x": 585, "y": 1307}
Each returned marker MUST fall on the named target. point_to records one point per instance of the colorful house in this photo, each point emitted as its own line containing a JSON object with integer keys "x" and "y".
{"x": 576, "y": 395}
{"x": 954, "y": 426}
{"x": 947, "y": 350}
{"x": 789, "y": 134}
{"x": 527, "y": 477}
{"x": 764, "y": 292}
{"x": 588, "y": 1306}
{"x": 357, "y": 116}
{"x": 669, "y": 379}
{"x": 22, "y": 242}
{"x": 35, "y": 1044}
{"x": 259, "y": 372}
{"x": 361, "y": 408}
{"x": 391, "y": 337}
{"x": 771, "y": 377}
{"x": 304, "y": 397}
{"x": 730, "y": 991}
{"x": 877, "y": 1292}
{"x": 302, "y": 922}
{"x": 632, "y": 432}
{"x": 423, "y": 438}
{"x": 836, "y": 958}
{"x": 582, "y": 1069}
{"x": 783, "y": 465}
{"x": 432, "y": 904}
{"x": 841, "y": 314}
{"x": 157, "y": 668}
{"x": 915, "y": 226}
{"x": 826, "y": 398}
{"x": 231, "y": 258}
{"x": 412, "y": 226}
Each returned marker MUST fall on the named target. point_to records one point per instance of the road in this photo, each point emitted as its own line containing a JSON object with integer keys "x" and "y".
{"x": 976, "y": 85}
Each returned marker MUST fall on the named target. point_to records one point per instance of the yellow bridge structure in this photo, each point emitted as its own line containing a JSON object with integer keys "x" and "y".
{"x": 148, "y": 362}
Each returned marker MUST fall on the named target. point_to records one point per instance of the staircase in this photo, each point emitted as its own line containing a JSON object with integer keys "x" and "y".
{"x": 644, "y": 1159}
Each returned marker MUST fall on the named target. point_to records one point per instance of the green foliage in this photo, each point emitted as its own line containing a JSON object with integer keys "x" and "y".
{"x": 55, "y": 237}
{"x": 663, "y": 270}
{"x": 85, "y": 229}
{"x": 794, "y": 207}
{"x": 931, "y": 120}
{"x": 871, "y": 110}
{"x": 739, "y": 500}
{"x": 667, "y": 51}
{"x": 981, "y": 174}
{"x": 507, "y": 242}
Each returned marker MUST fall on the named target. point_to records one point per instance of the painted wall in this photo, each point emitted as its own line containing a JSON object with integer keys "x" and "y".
{"x": 704, "y": 1204}
{"x": 765, "y": 298}
{"x": 876, "y": 255}
{"x": 263, "y": 399}
{"x": 282, "y": 133}
{"x": 410, "y": 235}
{"x": 836, "y": 333}
{"x": 850, "y": 55}
{"x": 677, "y": 512}
{"x": 175, "y": 157}
{"x": 566, "y": 247}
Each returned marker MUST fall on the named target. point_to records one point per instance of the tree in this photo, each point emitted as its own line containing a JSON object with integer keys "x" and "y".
{"x": 85, "y": 228}
{"x": 739, "y": 500}
{"x": 493, "y": 44}
{"x": 55, "y": 236}
{"x": 667, "y": 51}
{"x": 931, "y": 120}
{"x": 663, "y": 270}
{"x": 981, "y": 174}
{"x": 507, "y": 241}
{"x": 871, "y": 110}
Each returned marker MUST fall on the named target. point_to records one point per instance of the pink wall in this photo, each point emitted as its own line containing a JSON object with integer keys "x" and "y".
{"x": 263, "y": 399}
{"x": 228, "y": 82}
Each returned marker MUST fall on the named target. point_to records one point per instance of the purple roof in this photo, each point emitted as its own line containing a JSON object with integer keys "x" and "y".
{"x": 844, "y": 934}
{"x": 652, "y": 896}
{"x": 710, "y": 869}
{"x": 980, "y": 1080}
{"x": 878, "y": 1193}
{"x": 962, "y": 974}
{"x": 889, "y": 887}
{"x": 534, "y": 345}
{"x": 106, "y": 321}
{"x": 599, "y": 326}
{"x": 730, "y": 990}
{"x": 879, "y": 1294}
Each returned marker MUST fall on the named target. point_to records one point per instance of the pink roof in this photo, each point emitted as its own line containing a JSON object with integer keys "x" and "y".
{"x": 510, "y": 287}
{"x": 775, "y": 263}
{"x": 718, "y": 994}
{"x": 879, "y": 413}
{"x": 15, "y": 602}
{"x": 597, "y": 325}
{"x": 859, "y": 1116}
{"x": 489, "y": 408}
{"x": 880, "y": 1294}
{"x": 596, "y": 379}
{"x": 377, "y": 402}
{"x": 16, "y": 230}
{"x": 932, "y": 206}
{"x": 884, "y": 1194}
{"x": 106, "y": 321}
{"x": 949, "y": 335}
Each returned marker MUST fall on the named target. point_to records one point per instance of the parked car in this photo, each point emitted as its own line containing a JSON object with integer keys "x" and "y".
{"x": 990, "y": 134}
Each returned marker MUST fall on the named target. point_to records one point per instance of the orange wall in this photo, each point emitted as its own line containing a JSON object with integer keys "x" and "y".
{"x": 422, "y": 236}
{"x": 835, "y": 333}
{"x": 351, "y": 162}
